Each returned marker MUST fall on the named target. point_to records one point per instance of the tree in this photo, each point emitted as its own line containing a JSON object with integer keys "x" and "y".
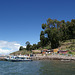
{"x": 43, "y": 39}
{"x": 38, "y": 45}
{"x": 34, "y": 46}
{"x": 51, "y": 32}
{"x": 28, "y": 45}
{"x": 21, "y": 48}
{"x": 43, "y": 26}
{"x": 63, "y": 29}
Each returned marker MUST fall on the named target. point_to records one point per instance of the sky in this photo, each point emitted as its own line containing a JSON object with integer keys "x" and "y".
{"x": 21, "y": 20}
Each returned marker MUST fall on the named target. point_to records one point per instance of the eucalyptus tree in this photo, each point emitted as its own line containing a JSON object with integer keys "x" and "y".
{"x": 51, "y": 30}
{"x": 21, "y": 48}
{"x": 28, "y": 45}
{"x": 72, "y": 28}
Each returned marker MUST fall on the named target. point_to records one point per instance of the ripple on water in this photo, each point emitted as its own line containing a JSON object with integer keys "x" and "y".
{"x": 37, "y": 68}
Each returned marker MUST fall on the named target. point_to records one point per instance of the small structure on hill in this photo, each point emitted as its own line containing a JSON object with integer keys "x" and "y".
{"x": 36, "y": 51}
{"x": 49, "y": 51}
{"x": 55, "y": 51}
{"x": 63, "y": 52}
{"x": 46, "y": 51}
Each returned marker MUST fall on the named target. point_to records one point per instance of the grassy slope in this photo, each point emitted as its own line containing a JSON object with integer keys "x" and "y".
{"x": 67, "y": 45}
{"x": 23, "y": 52}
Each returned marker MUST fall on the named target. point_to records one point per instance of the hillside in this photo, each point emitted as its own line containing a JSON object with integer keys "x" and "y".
{"x": 23, "y": 52}
{"x": 67, "y": 45}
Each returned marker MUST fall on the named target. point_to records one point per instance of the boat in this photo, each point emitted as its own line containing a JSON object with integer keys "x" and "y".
{"x": 18, "y": 58}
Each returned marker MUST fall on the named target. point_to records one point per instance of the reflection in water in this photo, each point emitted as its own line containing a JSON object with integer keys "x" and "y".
{"x": 37, "y": 68}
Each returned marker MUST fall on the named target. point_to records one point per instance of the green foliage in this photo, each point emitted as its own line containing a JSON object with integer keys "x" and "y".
{"x": 52, "y": 33}
{"x": 43, "y": 26}
{"x": 56, "y": 31}
{"x": 34, "y": 46}
{"x": 72, "y": 29}
{"x": 42, "y": 33}
{"x": 28, "y": 45}
{"x": 38, "y": 45}
{"x": 21, "y": 48}
{"x": 70, "y": 52}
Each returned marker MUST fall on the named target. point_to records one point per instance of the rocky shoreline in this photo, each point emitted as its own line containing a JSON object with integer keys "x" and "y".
{"x": 53, "y": 57}
{"x": 49, "y": 57}
{"x": 2, "y": 59}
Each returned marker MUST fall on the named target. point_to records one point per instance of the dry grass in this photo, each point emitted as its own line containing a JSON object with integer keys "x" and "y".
{"x": 22, "y": 52}
{"x": 67, "y": 45}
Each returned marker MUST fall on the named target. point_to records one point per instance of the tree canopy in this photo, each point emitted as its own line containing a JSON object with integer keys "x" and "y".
{"x": 53, "y": 32}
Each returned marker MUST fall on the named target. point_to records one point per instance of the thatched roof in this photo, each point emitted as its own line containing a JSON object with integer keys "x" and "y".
{"x": 45, "y": 49}
{"x": 39, "y": 51}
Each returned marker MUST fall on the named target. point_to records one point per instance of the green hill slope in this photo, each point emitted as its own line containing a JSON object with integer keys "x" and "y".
{"x": 67, "y": 45}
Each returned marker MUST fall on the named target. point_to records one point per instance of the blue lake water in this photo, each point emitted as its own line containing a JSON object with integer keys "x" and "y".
{"x": 42, "y": 67}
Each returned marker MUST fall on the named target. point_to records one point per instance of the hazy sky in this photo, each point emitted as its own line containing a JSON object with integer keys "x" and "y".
{"x": 20, "y": 20}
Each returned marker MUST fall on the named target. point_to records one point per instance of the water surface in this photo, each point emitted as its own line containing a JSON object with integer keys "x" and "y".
{"x": 42, "y": 67}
